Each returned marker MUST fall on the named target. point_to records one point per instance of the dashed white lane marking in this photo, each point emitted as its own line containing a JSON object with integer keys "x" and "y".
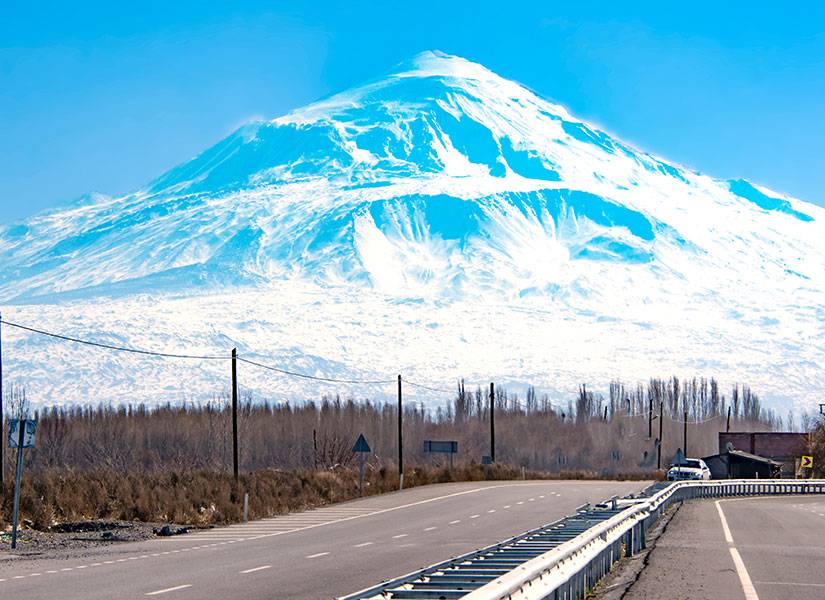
{"x": 741, "y": 570}
{"x": 491, "y": 511}
{"x": 363, "y": 544}
{"x": 256, "y": 569}
{"x": 474, "y": 516}
{"x": 171, "y": 589}
{"x": 269, "y": 528}
{"x": 399, "y": 536}
{"x": 542, "y": 496}
{"x": 531, "y": 500}
{"x": 519, "y": 502}
{"x": 319, "y": 555}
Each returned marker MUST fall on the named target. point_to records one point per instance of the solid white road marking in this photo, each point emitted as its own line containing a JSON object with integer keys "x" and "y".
{"x": 790, "y": 583}
{"x": 725, "y": 528}
{"x": 364, "y": 544}
{"x": 171, "y": 589}
{"x": 320, "y": 554}
{"x": 741, "y": 570}
{"x": 256, "y": 569}
{"x": 744, "y": 578}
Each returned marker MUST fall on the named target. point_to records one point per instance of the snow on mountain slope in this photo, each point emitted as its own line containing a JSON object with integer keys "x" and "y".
{"x": 441, "y": 220}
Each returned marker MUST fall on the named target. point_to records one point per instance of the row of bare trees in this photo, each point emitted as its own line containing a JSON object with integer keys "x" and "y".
{"x": 588, "y": 433}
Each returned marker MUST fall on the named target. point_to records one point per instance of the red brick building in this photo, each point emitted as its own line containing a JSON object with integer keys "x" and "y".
{"x": 778, "y": 446}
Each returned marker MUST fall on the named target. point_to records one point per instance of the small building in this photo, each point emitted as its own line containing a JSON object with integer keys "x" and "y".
{"x": 782, "y": 447}
{"x": 736, "y": 464}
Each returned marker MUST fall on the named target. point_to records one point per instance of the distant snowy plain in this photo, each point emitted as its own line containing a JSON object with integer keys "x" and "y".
{"x": 440, "y": 222}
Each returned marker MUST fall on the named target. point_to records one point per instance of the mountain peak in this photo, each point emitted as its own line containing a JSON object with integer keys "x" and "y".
{"x": 435, "y": 63}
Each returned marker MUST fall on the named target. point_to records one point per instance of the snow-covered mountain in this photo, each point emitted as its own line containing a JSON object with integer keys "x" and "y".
{"x": 441, "y": 222}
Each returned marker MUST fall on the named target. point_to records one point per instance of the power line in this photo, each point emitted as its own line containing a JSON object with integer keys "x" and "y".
{"x": 313, "y": 377}
{"x": 116, "y": 348}
{"x": 426, "y": 387}
{"x": 675, "y": 420}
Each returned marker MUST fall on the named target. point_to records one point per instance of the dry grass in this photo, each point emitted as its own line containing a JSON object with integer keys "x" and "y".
{"x": 203, "y": 497}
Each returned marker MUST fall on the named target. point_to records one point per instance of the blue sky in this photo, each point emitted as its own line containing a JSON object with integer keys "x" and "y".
{"x": 105, "y": 96}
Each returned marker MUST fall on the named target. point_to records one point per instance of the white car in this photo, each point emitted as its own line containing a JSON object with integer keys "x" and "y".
{"x": 692, "y": 468}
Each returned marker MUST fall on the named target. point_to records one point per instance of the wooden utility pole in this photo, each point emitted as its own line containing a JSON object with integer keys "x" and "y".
{"x": 235, "y": 413}
{"x": 492, "y": 422}
{"x": 2, "y": 417}
{"x": 728, "y": 428}
{"x": 659, "y": 447}
{"x": 400, "y": 438}
{"x": 684, "y": 445}
{"x": 650, "y": 418}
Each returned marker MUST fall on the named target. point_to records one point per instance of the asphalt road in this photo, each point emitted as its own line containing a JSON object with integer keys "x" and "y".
{"x": 317, "y": 554}
{"x": 771, "y": 548}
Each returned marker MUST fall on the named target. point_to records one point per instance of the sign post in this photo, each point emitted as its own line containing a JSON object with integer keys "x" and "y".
{"x": 807, "y": 462}
{"x": 21, "y": 435}
{"x": 361, "y": 447}
{"x": 449, "y": 447}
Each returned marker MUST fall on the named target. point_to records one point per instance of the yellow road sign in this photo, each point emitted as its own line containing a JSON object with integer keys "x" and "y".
{"x": 807, "y": 462}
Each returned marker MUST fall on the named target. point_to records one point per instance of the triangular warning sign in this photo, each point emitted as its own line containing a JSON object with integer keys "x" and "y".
{"x": 361, "y": 444}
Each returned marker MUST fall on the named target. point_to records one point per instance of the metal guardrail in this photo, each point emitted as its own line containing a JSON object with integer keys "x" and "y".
{"x": 566, "y": 558}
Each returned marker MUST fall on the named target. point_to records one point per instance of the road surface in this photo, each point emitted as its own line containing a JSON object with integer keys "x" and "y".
{"x": 766, "y": 548}
{"x": 323, "y": 553}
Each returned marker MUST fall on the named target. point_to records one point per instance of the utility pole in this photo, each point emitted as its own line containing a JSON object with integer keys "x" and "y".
{"x": 400, "y": 438}
{"x": 492, "y": 422}
{"x": 684, "y": 445}
{"x": 21, "y": 429}
{"x": 659, "y": 448}
{"x": 235, "y": 413}
{"x": 2, "y": 415}
{"x": 728, "y": 429}
{"x": 650, "y": 418}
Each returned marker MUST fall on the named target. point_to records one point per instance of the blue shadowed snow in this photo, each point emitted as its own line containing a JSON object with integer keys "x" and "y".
{"x": 472, "y": 139}
{"x": 599, "y": 210}
{"x": 745, "y": 190}
{"x": 604, "y": 248}
{"x": 527, "y": 164}
{"x": 583, "y": 133}
{"x": 421, "y": 216}
{"x": 665, "y": 169}
{"x": 254, "y": 148}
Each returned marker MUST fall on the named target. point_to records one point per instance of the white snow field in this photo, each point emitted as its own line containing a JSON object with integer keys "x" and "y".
{"x": 440, "y": 222}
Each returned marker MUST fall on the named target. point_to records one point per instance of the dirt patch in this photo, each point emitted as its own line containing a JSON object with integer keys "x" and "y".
{"x": 85, "y": 534}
